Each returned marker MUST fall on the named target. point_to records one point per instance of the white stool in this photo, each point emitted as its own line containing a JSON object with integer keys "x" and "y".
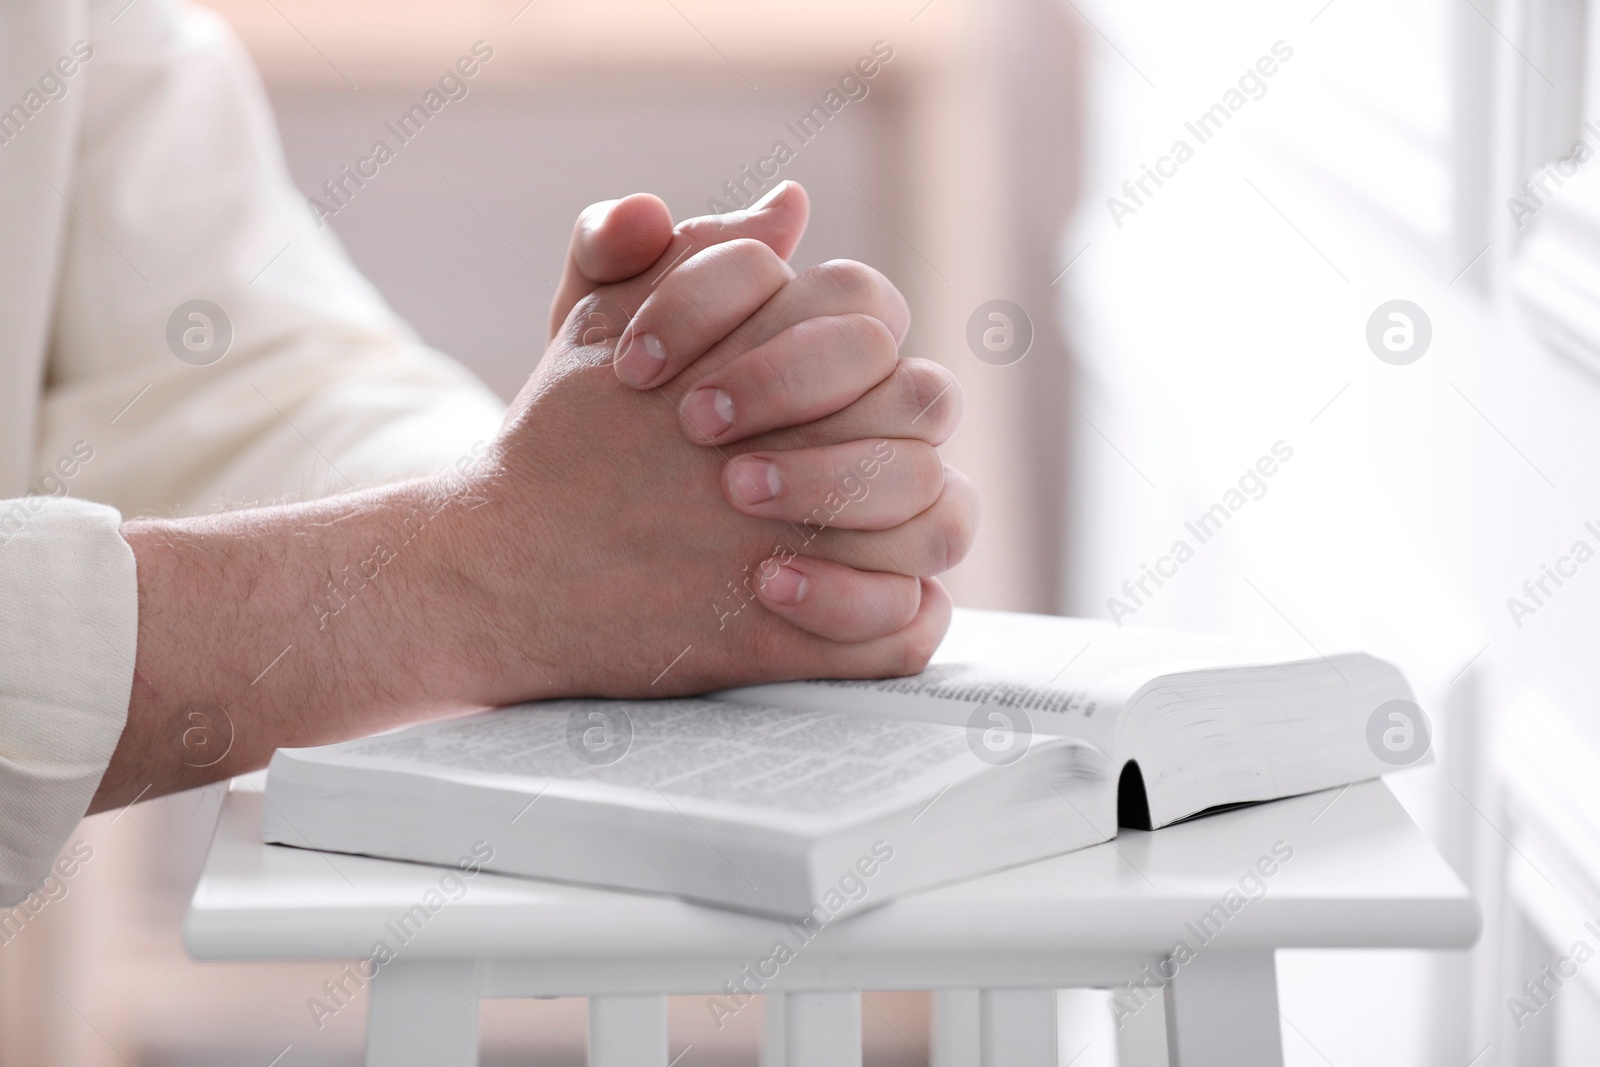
{"x": 1348, "y": 870}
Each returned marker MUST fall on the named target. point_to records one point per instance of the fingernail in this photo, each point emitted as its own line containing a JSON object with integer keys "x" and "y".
{"x": 640, "y": 358}
{"x": 595, "y": 215}
{"x": 752, "y": 480}
{"x": 708, "y": 411}
{"x": 784, "y": 588}
{"x": 773, "y": 198}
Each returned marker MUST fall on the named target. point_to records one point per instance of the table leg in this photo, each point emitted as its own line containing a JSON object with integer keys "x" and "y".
{"x": 1018, "y": 1027}
{"x": 423, "y": 1013}
{"x": 1222, "y": 1011}
{"x": 813, "y": 1030}
{"x": 628, "y": 1031}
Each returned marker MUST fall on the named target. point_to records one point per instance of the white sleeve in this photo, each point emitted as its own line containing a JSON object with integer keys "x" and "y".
{"x": 181, "y": 194}
{"x": 68, "y": 633}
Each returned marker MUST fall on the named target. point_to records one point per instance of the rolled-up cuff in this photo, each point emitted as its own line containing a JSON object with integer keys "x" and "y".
{"x": 69, "y": 626}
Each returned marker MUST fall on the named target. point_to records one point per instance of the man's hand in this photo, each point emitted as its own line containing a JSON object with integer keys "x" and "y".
{"x": 648, "y": 550}
{"x": 829, "y": 380}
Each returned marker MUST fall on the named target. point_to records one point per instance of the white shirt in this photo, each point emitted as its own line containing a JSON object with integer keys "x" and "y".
{"x": 140, "y": 171}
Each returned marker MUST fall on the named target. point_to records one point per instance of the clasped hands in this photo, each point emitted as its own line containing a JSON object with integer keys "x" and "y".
{"x": 722, "y": 472}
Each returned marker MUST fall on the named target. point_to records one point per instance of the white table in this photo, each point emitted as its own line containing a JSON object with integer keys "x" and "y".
{"x": 1361, "y": 876}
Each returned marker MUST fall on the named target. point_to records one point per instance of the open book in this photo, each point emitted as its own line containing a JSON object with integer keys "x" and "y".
{"x": 1028, "y": 736}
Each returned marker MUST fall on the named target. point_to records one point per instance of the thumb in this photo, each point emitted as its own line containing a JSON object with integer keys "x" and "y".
{"x": 619, "y": 239}
{"x": 611, "y": 241}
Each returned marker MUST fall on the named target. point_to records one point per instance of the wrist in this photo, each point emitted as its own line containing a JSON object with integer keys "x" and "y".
{"x": 484, "y": 554}
{"x": 405, "y": 597}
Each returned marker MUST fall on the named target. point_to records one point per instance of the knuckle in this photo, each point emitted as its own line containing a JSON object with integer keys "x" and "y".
{"x": 767, "y": 379}
{"x": 868, "y": 338}
{"x": 930, "y": 392}
{"x": 907, "y": 600}
{"x": 932, "y": 396}
{"x": 750, "y": 256}
{"x": 954, "y": 530}
{"x": 676, "y": 315}
{"x": 910, "y": 659}
{"x": 916, "y": 475}
{"x": 855, "y": 283}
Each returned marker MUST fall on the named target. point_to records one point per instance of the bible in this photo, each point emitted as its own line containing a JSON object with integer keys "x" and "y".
{"x": 1026, "y": 736}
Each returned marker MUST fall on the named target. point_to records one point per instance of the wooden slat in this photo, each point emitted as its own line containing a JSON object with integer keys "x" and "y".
{"x": 956, "y": 1033}
{"x": 1018, "y": 1027}
{"x": 628, "y": 1031}
{"x": 813, "y": 1030}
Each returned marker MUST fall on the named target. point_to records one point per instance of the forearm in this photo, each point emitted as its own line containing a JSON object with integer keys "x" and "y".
{"x": 289, "y": 626}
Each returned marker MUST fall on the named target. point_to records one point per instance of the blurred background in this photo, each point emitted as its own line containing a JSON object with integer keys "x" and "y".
{"x": 1171, "y": 315}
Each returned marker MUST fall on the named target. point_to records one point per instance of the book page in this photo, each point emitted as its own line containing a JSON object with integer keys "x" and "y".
{"x": 809, "y": 762}
{"x": 1047, "y": 674}
{"x": 964, "y": 695}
